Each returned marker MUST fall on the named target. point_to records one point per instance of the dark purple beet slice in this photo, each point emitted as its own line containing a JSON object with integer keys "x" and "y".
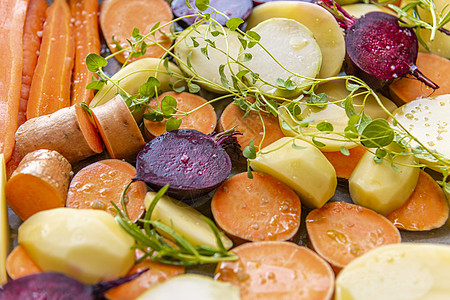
{"x": 191, "y": 162}
{"x": 231, "y": 8}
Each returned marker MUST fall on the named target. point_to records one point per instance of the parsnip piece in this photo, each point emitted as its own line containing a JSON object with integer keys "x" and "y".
{"x": 302, "y": 167}
{"x": 379, "y": 187}
{"x": 201, "y": 65}
{"x": 192, "y": 287}
{"x": 397, "y": 271}
{"x": 86, "y": 244}
{"x": 4, "y": 227}
{"x": 293, "y": 46}
{"x": 322, "y": 24}
{"x": 185, "y": 220}
{"x": 332, "y": 113}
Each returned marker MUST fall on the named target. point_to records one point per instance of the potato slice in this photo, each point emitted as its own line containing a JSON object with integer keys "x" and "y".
{"x": 4, "y": 227}
{"x": 358, "y": 10}
{"x": 397, "y": 271}
{"x": 322, "y": 24}
{"x": 85, "y": 244}
{"x": 185, "y": 220}
{"x": 192, "y": 287}
{"x": 302, "y": 167}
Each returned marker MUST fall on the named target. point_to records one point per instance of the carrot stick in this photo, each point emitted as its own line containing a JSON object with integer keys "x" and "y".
{"x": 340, "y": 232}
{"x": 13, "y": 14}
{"x": 97, "y": 184}
{"x": 258, "y": 209}
{"x": 345, "y": 164}
{"x": 32, "y": 34}
{"x": 278, "y": 270}
{"x": 50, "y": 87}
{"x": 19, "y": 263}
{"x": 426, "y": 209}
{"x": 250, "y": 126}
{"x": 203, "y": 120}
{"x": 69, "y": 131}
{"x": 87, "y": 41}
{"x": 118, "y": 129}
{"x": 40, "y": 182}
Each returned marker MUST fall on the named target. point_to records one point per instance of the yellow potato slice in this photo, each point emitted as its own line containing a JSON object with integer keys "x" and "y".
{"x": 4, "y": 227}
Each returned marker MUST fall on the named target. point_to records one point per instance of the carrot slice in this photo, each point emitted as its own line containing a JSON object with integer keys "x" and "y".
{"x": 251, "y": 126}
{"x": 278, "y": 270}
{"x": 19, "y": 263}
{"x": 97, "y": 184}
{"x": 32, "y": 33}
{"x": 118, "y": 129}
{"x": 258, "y": 209}
{"x": 345, "y": 164}
{"x": 13, "y": 163}
{"x": 87, "y": 41}
{"x": 203, "y": 119}
{"x": 50, "y": 87}
{"x": 426, "y": 209}
{"x": 40, "y": 182}
{"x": 435, "y": 68}
{"x": 13, "y": 14}
{"x": 340, "y": 232}
{"x": 118, "y": 18}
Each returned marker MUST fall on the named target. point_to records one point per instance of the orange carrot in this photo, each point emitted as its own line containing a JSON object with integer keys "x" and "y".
{"x": 278, "y": 270}
{"x": 250, "y": 126}
{"x": 13, "y": 163}
{"x": 31, "y": 43}
{"x": 40, "y": 182}
{"x": 19, "y": 263}
{"x": 426, "y": 209}
{"x": 340, "y": 232}
{"x": 203, "y": 119}
{"x": 435, "y": 68}
{"x": 50, "y": 87}
{"x": 258, "y": 209}
{"x": 345, "y": 164}
{"x": 87, "y": 41}
{"x": 12, "y": 14}
{"x": 96, "y": 185}
{"x": 118, "y": 129}
{"x": 118, "y": 18}
{"x": 69, "y": 131}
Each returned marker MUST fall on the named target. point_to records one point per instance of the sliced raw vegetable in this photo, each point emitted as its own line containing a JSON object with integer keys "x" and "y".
{"x": 98, "y": 184}
{"x": 358, "y": 10}
{"x": 341, "y": 232}
{"x": 426, "y": 208}
{"x": 19, "y": 263}
{"x": 258, "y": 209}
{"x": 323, "y": 26}
{"x": 398, "y": 271}
{"x": 66, "y": 240}
{"x": 4, "y": 226}
{"x": 302, "y": 167}
{"x": 345, "y": 164}
{"x": 185, "y": 220}
{"x": 291, "y": 44}
{"x": 205, "y": 66}
{"x": 278, "y": 270}
{"x": 191, "y": 287}
{"x": 40, "y": 182}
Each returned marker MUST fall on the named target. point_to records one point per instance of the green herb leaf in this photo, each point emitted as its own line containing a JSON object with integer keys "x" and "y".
{"x": 243, "y": 42}
{"x": 234, "y": 23}
{"x": 241, "y": 74}
{"x": 250, "y": 151}
{"x": 324, "y": 126}
{"x": 202, "y": 5}
{"x": 247, "y": 57}
{"x": 204, "y": 51}
{"x": 344, "y": 150}
{"x": 377, "y": 133}
{"x": 319, "y": 99}
{"x": 86, "y": 108}
{"x": 351, "y": 86}
{"x": 177, "y": 89}
{"x": 94, "y": 62}
{"x": 317, "y": 143}
{"x": 173, "y": 123}
{"x": 168, "y": 105}
{"x": 95, "y": 85}
{"x": 193, "y": 88}
{"x": 166, "y": 66}
{"x": 223, "y": 78}
{"x": 153, "y": 30}
{"x": 349, "y": 108}
{"x": 188, "y": 60}
{"x": 194, "y": 42}
{"x": 254, "y": 38}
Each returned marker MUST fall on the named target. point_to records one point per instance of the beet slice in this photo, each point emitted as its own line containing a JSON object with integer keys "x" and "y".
{"x": 191, "y": 162}
{"x": 231, "y": 8}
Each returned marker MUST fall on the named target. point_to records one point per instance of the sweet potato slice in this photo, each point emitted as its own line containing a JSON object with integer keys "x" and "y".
{"x": 19, "y": 263}
{"x": 345, "y": 164}
{"x": 40, "y": 182}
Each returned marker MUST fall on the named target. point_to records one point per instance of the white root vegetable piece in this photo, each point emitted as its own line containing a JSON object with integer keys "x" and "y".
{"x": 4, "y": 226}
{"x": 192, "y": 287}
{"x": 40, "y": 182}
{"x": 185, "y": 220}
{"x": 67, "y": 240}
{"x": 397, "y": 271}
{"x": 322, "y": 24}
{"x": 118, "y": 129}
{"x": 68, "y": 131}
{"x": 134, "y": 75}
{"x": 302, "y": 167}
{"x": 379, "y": 187}
{"x": 428, "y": 119}
{"x": 293, "y": 46}
{"x": 357, "y": 10}
{"x": 204, "y": 67}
